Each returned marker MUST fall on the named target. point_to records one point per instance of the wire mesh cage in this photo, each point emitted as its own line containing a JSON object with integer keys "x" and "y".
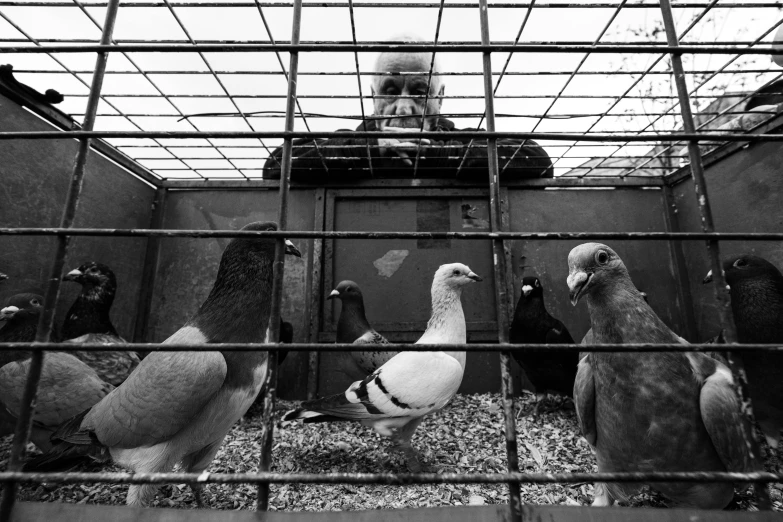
{"x": 549, "y": 124}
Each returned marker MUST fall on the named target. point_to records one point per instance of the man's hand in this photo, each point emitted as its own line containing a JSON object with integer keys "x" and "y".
{"x": 402, "y": 148}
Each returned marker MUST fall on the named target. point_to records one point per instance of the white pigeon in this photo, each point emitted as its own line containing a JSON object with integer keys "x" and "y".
{"x": 394, "y": 399}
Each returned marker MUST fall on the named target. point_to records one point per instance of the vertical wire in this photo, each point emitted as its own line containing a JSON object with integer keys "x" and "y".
{"x": 265, "y": 463}
{"x": 636, "y": 82}
{"x": 46, "y": 321}
{"x": 497, "y": 84}
{"x": 499, "y": 266}
{"x": 429, "y": 83}
{"x": 285, "y": 75}
{"x": 573, "y": 75}
{"x": 702, "y": 84}
{"x": 359, "y": 82}
{"x": 707, "y": 225}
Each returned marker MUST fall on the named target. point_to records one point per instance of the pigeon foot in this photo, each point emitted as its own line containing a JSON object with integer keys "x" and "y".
{"x": 602, "y": 498}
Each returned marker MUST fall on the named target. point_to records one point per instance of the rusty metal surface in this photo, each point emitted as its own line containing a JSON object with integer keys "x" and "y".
{"x": 35, "y": 178}
{"x": 650, "y": 265}
{"x": 746, "y": 191}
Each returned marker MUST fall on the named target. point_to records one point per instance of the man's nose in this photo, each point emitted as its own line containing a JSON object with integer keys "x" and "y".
{"x": 406, "y": 107}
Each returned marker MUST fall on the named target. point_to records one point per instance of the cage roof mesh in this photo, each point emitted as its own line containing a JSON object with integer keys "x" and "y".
{"x": 554, "y": 92}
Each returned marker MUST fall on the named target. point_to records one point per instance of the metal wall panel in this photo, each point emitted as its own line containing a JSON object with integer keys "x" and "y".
{"x": 746, "y": 193}
{"x": 34, "y": 177}
{"x": 650, "y": 263}
{"x": 187, "y": 266}
{"x": 396, "y": 275}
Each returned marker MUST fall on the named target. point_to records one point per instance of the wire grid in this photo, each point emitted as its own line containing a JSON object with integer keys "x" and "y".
{"x": 576, "y": 93}
{"x": 263, "y": 479}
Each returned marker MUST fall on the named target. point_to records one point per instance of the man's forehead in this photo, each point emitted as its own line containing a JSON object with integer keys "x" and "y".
{"x": 403, "y": 62}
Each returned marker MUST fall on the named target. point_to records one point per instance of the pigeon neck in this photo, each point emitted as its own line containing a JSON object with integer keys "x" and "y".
{"x": 528, "y": 306}
{"x": 615, "y": 311}
{"x": 757, "y": 305}
{"x": 353, "y": 321}
{"x": 89, "y": 314}
{"x": 447, "y": 322}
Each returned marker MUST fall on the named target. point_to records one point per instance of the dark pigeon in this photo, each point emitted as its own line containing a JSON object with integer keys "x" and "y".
{"x": 552, "y": 372}
{"x": 648, "y": 411}
{"x": 67, "y": 386}
{"x": 7, "y": 76}
{"x": 177, "y": 407}
{"x": 353, "y": 327}
{"x": 756, "y": 289}
{"x": 88, "y": 321}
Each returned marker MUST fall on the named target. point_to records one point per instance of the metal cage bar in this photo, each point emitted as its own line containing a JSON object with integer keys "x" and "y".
{"x": 46, "y": 322}
{"x": 713, "y": 250}
{"x": 499, "y": 273}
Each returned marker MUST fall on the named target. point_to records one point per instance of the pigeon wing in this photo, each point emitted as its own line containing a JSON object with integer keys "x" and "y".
{"x": 559, "y": 335}
{"x": 160, "y": 397}
{"x": 584, "y": 400}
{"x": 67, "y": 388}
{"x": 410, "y": 384}
{"x": 371, "y": 337}
{"x": 720, "y": 411}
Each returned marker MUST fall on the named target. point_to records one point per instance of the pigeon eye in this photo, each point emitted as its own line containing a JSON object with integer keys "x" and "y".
{"x": 739, "y": 263}
{"x": 34, "y": 302}
{"x": 456, "y": 272}
{"x": 537, "y": 283}
{"x": 602, "y": 257}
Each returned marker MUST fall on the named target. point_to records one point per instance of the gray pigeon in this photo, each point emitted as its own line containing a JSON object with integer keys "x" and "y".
{"x": 352, "y": 327}
{"x": 649, "y": 411}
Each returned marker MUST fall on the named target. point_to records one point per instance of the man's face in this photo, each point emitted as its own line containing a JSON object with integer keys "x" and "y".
{"x": 388, "y": 89}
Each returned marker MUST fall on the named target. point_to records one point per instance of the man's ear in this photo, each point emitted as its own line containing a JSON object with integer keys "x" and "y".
{"x": 441, "y": 92}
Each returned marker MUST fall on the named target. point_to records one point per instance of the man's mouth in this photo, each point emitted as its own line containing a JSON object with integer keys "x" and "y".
{"x": 413, "y": 122}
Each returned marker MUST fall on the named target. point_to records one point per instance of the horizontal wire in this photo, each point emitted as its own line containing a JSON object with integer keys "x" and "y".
{"x": 387, "y": 478}
{"x": 651, "y": 137}
{"x": 339, "y": 234}
{"x": 396, "y": 47}
{"x": 393, "y": 347}
{"x": 462, "y": 5}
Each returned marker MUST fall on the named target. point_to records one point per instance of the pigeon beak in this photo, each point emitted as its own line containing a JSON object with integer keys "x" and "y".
{"x": 8, "y": 312}
{"x": 474, "y": 277}
{"x": 291, "y": 250}
{"x": 3, "y": 277}
{"x": 73, "y": 275}
{"x": 334, "y": 294}
{"x": 707, "y": 278}
{"x": 526, "y": 290}
{"x": 577, "y": 283}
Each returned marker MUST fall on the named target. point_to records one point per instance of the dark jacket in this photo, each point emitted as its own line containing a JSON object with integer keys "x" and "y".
{"x": 346, "y": 158}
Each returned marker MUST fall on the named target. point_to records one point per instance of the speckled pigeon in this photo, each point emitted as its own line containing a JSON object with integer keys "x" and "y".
{"x": 756, "y": 289}
{"x": 353, "y": 327}
{"x": 647, "y": 411}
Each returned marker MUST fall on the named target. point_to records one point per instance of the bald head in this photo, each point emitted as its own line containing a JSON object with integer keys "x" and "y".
{"x": 387, "y": 87}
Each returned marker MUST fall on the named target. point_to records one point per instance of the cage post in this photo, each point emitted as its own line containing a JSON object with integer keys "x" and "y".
{"x": 707, "y": 225}
{"x": 46, "y": 322}
{"x": 265, "y": 463}
{"x": 499, "y": 265}
{"x": 150, "y": 268}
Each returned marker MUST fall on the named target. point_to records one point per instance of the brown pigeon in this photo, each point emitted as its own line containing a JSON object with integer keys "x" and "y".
{"x": 352, "y": 327}
{"x": 756, "y": 289}
{"x": 67, "y": 386}
{"x": 176, "y": 408}
{"x": 645, "y": 411}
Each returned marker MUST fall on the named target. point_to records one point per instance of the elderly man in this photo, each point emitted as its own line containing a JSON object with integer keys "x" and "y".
{"x": 399, "y": 105}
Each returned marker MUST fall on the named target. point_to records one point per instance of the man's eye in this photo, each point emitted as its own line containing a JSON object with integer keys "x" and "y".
{"x": 391, "y": 91}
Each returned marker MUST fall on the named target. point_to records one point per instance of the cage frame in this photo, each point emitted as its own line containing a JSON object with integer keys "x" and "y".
{"x": 497, "y": 235}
